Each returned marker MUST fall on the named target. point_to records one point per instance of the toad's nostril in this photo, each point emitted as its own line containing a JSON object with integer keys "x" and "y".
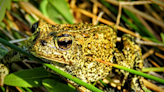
{"x": 43, "y": 42}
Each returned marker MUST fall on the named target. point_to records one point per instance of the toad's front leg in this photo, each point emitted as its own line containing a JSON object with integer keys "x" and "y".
{"x": 134, "y": 51}
{"x": 6, "y": 61}
{"x": 130, "y": 57}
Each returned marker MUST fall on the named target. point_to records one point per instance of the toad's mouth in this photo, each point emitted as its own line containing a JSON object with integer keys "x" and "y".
{"x": 59, "y": 60}
{"x": 55, "y": 58}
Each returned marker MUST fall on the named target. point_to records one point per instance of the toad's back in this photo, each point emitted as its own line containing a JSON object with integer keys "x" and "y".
{"x": 72, "y": 45}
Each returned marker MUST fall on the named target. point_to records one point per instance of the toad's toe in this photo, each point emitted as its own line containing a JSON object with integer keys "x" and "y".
{"x": 3, "y": 72}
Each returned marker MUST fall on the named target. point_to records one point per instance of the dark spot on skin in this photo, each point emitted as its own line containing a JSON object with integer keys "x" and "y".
{"x": 137, "y": 81}
{"x": 1, "y": 66}
{"x": 53, "y": 26}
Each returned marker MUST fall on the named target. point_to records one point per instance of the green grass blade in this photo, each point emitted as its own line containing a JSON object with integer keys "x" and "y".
{"x": 4, "y": 4}
{"x": 155, "y": 69}
{"x": 22, "y": 89}
{"x": 140, "y": 73}
{"x": 162, "y": 37}
{"x": 28, "y": 90}
{"x": 152, "y": 39}
{"x": 2, "y": 9}
{"x": 3, "y": 89}
{"x": 133, "y": 71}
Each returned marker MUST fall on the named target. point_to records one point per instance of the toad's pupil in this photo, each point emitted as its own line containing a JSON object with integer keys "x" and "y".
{"x": 65, "y": 44}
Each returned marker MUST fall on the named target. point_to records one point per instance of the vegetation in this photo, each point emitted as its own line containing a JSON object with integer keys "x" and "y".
{"x": 142, "y": 19}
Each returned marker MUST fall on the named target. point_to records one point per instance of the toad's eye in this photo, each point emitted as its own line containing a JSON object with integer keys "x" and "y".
{"x": 64, "y": 42}
{"x": 34, "y": 27}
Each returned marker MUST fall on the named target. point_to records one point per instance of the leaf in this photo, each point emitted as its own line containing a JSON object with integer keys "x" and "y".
{"x": 27, "y": 78}
{"x": 47, "y": 9}
{"x": 8, "y": 4}
{"x": 56, "y": 16}
{"x": 3, "y": 5}
{"x": 55, "y": 86}
{"x": 62, "y": 7}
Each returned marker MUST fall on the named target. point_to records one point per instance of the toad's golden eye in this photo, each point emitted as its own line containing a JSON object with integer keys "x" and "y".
{"x": 64, "y": 41}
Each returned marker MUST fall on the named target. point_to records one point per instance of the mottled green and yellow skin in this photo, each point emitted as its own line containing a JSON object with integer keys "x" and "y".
{"x": 85, "y": 40}
{"x": 68, "y": 46}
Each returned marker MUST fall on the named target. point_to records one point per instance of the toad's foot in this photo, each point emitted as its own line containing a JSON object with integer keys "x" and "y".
{"x": 3, "y": 72}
